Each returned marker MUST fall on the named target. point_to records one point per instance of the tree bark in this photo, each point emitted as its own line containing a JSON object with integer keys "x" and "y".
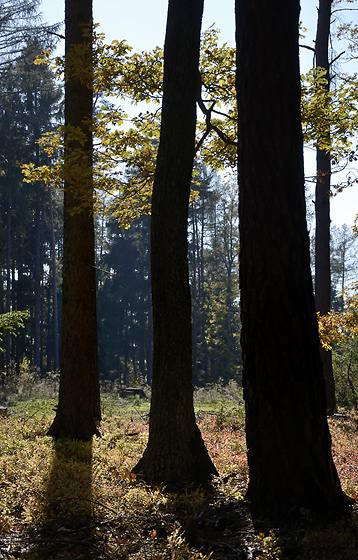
{"x": 37, "y": 284}
{"x": 175, "y": 455}
{"x": 322, "y": 208}
{"x": 79, "y": 401}
{"x": 56, "y": 354}
{"x": 8, "y": 282}
{"x": 289, "y": 445}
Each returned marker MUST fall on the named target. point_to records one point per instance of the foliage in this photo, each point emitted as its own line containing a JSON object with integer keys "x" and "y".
{"x": 340, "y": 327}
{"x": 138, "y": 77}
{"x": 123, "y": 76}
{"x": 329, "y": 118}
{"x": 338, "y": 332}
{"x": 345, "y": 367}
{"x": 12, "y": 321}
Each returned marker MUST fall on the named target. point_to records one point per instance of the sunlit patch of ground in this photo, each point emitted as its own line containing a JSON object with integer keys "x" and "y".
{"x": 80, "y": 501}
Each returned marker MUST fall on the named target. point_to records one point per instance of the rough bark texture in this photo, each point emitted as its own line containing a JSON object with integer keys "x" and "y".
{"x": 322, "y": 208}
{"x": 289, "y": 446}
{"x": 79, "y": 402}
{"x": 175, "y": 454}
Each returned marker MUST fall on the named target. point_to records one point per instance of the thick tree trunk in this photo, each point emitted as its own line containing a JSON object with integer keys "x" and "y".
{"x": 175, "y": 454}
{"x": 289, "y": 445}
{"x": 79, "y": 402}
{"x": 322, "y": 208}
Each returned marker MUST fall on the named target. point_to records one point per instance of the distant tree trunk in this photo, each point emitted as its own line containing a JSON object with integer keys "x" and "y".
{"x": 175, "y": 454}
{"x": 149, "y": 348}
{"x": 289, "y": 445}
{"x": 8, "y": 283}
{"x": 37, "y": 278}
{"x": 194, "y": 297}
{"x": 54, "y": 289}
{"x": 322, "y": 208}
{"x": 79, "y": 401}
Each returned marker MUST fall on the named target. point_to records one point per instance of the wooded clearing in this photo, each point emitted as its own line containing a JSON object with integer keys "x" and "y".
{"x": 79, "y": 500}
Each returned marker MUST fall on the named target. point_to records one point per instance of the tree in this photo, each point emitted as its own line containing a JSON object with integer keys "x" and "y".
{"x": 214, "y": 279}
{"x": 29, "y": 104}
{"x": 289, "y": 445}
{"x": 124, "y": 303}
{"x": 175, "y": 454}
{"x": 322, "y": 202}
{"x": 19, "y": 24}
{"x": 343, "y": 258}
{"x": 79, "y": 401}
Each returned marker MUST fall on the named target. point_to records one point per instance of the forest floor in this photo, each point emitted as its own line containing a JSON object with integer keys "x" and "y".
{"x": 80, "y": 501}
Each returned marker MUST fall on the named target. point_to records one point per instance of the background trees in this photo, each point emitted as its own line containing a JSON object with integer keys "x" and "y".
{"x": 125, "y": 336}
{"x": 29, "y": 105}
{"x": 214, "y": 279}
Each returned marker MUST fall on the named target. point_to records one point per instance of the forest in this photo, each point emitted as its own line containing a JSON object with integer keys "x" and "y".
{"x": 178, "y": 314}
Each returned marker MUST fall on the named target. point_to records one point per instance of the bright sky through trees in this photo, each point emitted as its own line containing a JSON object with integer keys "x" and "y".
{"x": 142, "y": 25}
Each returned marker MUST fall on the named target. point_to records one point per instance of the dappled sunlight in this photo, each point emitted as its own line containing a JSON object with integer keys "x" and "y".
{"x": 79, "y": 500}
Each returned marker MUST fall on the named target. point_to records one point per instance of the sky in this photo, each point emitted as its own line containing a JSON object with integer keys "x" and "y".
{"x": 142, "y": 24}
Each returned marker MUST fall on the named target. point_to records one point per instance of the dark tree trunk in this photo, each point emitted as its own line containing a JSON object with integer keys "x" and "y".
{"x": 37, "y": 278}
{"x": 194, "y": 297}
{"x": 175, "y": 454}
{"x": 79, "y": 402}
{"x": 289, "y": 445}
{"x": 9, "y": 284}
{"x": 54, "y": 290}
{"x": 322, "y": 208}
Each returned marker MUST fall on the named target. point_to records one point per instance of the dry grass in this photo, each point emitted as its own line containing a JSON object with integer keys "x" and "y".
{"x": 79, "y": 500}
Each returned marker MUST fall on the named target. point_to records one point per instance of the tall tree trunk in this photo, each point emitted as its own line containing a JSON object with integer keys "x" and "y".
{"x": 289, "y": 445}
{"x": 56, "y": 353}
{"x": 79, "y": 401}
{"x": 8, "y": 283}
{"x": 175, "y": 454}
{"x": 194, "y": 297}
{"x": 37, "y": 278}
{"x": 322, "y": 208}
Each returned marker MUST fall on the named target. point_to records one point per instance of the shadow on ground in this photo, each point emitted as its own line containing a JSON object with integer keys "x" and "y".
{"x": 66, "y": 519}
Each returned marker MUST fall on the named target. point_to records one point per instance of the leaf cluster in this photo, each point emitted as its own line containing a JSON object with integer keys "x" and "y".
{"x": 12, "y": 321}
{"x": 340, "y": 327}
{"x": 329, "y": 115}
{"x": 125, "y": 147}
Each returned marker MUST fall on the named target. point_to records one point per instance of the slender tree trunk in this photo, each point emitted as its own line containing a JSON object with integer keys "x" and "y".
{"x": 56, "y": 353}
{"x": 194, "y": 297}
{"x": 322, "y": 208}
{"x": 8, "y": 283}
{"x": 289, "y": 445}
{"x": 37, "y": 278}
{"x": 79, "y": 401}
{"x": 175, "y": 454}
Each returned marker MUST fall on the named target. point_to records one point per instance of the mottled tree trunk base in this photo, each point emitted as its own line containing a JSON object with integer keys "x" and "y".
{"x": 191, "y": 466}
{"x": 66, "y": 428}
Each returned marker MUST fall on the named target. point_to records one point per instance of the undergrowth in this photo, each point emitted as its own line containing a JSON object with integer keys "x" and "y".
{"x": 79, "y": 500}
